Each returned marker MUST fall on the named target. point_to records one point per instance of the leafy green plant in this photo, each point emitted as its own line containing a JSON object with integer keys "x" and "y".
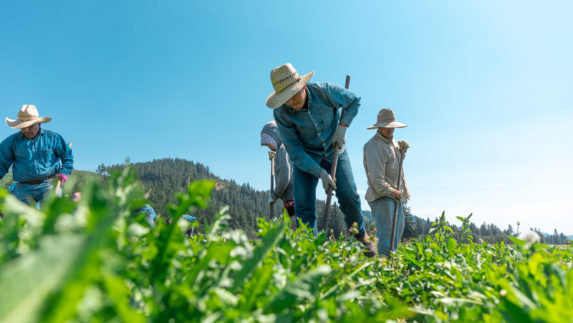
{"x": 465, "y": 234}
{"x": 98, "y": 261}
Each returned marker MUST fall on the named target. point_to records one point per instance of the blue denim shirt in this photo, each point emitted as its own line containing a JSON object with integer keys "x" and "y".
{"x": 307, "y": 133}
{"x": 33, "y": 159}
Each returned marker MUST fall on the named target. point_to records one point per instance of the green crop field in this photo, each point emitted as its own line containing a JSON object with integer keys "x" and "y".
{"x": 97, "y": 262}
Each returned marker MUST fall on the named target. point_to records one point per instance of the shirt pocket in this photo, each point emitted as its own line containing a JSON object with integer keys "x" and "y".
{"x": 391, "y": 164}
{"x": 22, "y": 152}
{"x": 45, "y": 157}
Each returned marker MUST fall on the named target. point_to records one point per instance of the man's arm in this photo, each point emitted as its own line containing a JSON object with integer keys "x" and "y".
{"x": 283, "y": 171}
{"x": 375, "y": 170}
{"x": 349, "y": 101}
{"x": 6, "y": 156}
{"x": 295, "y": 149}
{"x": 64, "y": 152}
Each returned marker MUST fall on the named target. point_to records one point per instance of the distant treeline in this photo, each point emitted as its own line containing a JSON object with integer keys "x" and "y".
{"x": 166, "y": 177}
{"x": 418, "y": 228}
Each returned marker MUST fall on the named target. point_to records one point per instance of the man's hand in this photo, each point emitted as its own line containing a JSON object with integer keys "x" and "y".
{"x": 327, "y": 181}
{"x": 62, "y": 177}
{"x": 271, "y": 199}
{"x": 403, "y": 146}
{"x": 338, "y": 139}
{"x": 271, "y": 155}
{"x": 397, "y": 195}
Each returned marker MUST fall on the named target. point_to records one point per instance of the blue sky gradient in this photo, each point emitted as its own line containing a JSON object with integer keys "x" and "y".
{"x": 484, "y": 86}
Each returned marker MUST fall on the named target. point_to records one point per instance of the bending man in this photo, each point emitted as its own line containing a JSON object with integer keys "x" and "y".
{"x": 310, "y": 125}
{"x": 283, "y": 189}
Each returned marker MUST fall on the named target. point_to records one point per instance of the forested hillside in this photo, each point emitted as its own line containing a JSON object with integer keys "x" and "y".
{"x": 168, "y": 176}
{"x": 163, "y": 178}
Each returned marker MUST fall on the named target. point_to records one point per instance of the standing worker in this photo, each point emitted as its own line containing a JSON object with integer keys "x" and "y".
{"x": 35, "y": 154}
{"x": 382, "y": 164}
{"x": 310, "y": 126}
{"x": 283, "y": 189}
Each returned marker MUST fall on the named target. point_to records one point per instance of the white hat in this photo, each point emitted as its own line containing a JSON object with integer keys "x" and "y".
{"x": 27, "y": 116}
{"x": 386, "y": 119}
{"x": 286, "y": 82}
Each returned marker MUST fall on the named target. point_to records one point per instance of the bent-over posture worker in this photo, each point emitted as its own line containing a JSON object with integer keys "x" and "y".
{"x": 36, "y": 155}
{"x": 283, "y": 189}
{"x": 310, "y": 126}
{"x": 382, "y": 162}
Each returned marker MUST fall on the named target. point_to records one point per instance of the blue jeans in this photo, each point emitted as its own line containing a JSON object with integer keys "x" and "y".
{"x": 346, "y": 193}
{"x": 32, "y": 194}
{"x": 383, "y": 213}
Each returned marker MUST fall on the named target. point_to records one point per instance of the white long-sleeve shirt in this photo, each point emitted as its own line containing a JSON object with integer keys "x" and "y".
{"x": 382, "y": 162}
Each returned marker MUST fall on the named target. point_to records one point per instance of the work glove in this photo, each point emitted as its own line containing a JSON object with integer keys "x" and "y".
{"x": 272, "y": 155}
{"x": 403, "y": 146}
{"x": 62, "y": 177}
{"x": 327, "y": 181}
{"x": 338, "y": 139}
{"x": 76, "y": 197}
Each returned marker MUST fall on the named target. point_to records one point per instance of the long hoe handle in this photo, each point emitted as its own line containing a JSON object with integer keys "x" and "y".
{"x": 272, "y": 206}
{"x": 58, "y": 184}
{"x": 394, "y": 220}
{"x": 333, "y": 170}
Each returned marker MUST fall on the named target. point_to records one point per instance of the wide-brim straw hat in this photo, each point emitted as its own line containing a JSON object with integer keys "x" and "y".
{"x": 27, "y": 116}
{"x": 386, "y": 119}
{"x": 286, "y": 83}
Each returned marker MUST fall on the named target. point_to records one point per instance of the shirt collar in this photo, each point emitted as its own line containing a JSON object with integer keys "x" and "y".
{"x": 386, "y": 140}
{"x": 40, "y": 133}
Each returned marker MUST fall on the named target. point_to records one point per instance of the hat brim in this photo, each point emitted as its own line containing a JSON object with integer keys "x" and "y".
{"x": 393, "y": 124}
{"x": 19, "y": 124}
{"x": 275, "y": 100}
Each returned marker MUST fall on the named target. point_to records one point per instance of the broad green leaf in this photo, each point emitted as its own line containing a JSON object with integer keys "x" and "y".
{"x": 257, "y": 285}
{"x": 28, "y": 281}
{"x": 269, "y": 241}
{"x": 451, "y": 247}
{"x": 118, "y": 292}
{"x": 304, "y": 289}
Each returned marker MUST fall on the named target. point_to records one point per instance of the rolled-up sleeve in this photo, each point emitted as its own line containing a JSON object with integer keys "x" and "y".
{"x": 64, "y": 152}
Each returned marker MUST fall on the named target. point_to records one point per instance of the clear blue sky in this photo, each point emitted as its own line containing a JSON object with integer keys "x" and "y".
{"x": 486, "y": 88}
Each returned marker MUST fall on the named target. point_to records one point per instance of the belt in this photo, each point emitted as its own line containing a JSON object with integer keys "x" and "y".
{"x": 38, "y": 181}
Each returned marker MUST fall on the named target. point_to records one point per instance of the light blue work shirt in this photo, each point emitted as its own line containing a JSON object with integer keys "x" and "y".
{"x": 35, "y": 159}
{"x": 307, "y": 133}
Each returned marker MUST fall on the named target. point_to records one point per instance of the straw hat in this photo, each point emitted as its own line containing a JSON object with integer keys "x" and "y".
{"x": 27, "y": 116}
{"x": 286, "y": 82}
{"x": 386, "y": 119}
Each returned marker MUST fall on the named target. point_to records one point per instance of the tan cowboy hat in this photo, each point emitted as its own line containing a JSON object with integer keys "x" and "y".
{"x": 27, "y": 116}
{"x": 286, "y": 82}
{"x": 386, "y": 119}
